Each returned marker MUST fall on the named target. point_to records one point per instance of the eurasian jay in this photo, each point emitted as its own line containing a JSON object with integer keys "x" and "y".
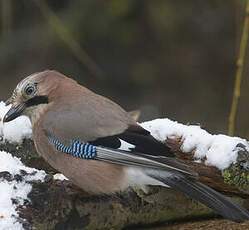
{"x": 79, "y": 133}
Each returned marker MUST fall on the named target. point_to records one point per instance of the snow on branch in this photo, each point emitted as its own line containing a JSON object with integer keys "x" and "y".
{"x": 15, "y": 186}
{"x": 15, "y": 131}
{"x": 216, "y": 150}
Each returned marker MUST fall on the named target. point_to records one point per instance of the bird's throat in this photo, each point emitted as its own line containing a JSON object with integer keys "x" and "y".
{"x": 35, "y": 113}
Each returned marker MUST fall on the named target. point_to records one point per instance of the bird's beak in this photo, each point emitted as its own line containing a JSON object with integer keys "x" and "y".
{"x": 15, "y": 111}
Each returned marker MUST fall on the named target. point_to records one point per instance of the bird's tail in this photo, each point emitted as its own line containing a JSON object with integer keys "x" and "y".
{"x": 209, "y": 197}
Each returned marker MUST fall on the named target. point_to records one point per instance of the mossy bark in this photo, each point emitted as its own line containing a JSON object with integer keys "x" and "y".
{"x": 57, "y": 205}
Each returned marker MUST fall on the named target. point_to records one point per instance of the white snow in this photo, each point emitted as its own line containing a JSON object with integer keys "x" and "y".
{"x": 216, "y": 150}
{"x": 59, "y": 176}
{"x": 14, "y": 190}
{"x": 16, "y": 130}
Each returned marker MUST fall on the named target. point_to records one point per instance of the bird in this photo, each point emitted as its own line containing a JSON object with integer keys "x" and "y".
{"x": 80, "y": 133}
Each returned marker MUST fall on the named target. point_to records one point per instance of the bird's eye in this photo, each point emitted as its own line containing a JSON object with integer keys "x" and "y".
{"x": 30, "y": 90}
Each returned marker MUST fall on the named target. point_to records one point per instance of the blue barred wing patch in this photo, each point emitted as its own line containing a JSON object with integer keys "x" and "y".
{"x": 76, "y": 148}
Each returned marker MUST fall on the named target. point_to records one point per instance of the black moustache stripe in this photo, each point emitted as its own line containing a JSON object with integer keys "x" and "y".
{"x": 37, "y": 100}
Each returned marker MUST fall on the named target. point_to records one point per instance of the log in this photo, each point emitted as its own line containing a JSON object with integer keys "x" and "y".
{"x": 56, "y": 204}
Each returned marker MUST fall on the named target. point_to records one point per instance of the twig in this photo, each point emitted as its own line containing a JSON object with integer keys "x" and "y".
{"x": 64, "y": 33}
{"x": 6, "y": 19}
{"x": 239, "y": 72}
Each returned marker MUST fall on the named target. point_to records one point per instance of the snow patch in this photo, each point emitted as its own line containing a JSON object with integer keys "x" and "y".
{"x": 217, "y": 150}
{"x": 59, "y": 176}
{"x": 12, "y": 192}
{"x": 16, "y": 130}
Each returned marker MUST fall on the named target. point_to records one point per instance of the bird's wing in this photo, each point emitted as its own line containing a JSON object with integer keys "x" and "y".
{"x": 88, "y": 151}
{"x": 97, "y": 120}
{"x": 88, "y": 117}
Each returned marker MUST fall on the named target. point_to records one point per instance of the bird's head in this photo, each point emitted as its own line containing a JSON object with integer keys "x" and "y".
{"x": 32, "y": 94}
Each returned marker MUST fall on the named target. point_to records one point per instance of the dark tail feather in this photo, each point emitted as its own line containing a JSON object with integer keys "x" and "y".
{"x": 209, "y": 197}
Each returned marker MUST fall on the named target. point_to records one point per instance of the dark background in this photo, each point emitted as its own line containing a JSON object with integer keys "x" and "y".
{"x": 172, "y": 59}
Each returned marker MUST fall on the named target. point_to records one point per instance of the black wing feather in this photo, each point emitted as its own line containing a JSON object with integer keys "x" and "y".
{"x": 143, "y": 141}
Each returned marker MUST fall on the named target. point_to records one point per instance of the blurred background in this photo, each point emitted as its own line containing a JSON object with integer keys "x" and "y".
{"x": 174, "y": 59}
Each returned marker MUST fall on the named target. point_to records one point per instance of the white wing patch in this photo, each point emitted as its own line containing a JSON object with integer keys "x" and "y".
{"x": 126, "y": 146}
